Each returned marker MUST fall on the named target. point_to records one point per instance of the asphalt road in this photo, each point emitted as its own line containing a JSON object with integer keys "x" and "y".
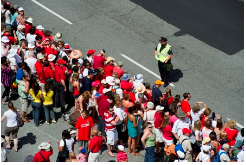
{"x": 202, "y": 65}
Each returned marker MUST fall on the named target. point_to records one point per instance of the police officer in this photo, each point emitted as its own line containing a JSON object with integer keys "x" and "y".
{"x": 163, "y": 53}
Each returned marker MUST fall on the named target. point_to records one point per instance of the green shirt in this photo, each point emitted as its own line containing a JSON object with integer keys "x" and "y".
{"x": 150, "y": 142}
{"x": 21, "y": 89}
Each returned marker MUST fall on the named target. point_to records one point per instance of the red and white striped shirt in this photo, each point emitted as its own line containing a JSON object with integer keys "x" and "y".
{"x": 108, "y": 119}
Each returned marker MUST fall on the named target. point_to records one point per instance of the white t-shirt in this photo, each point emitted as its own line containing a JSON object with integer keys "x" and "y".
{"x": 11, "y": 118}
{"x": 118, "y": 91}
{"x": 85, "y": 72}
{"x": 3, "y": 154}
{"x": 69, "y": 144}
{"x": 8, "y": 17}
{"x": 203, "y": 157}
{"x": 90, "y": 60}
{"x": 31, "y": 63}
{"x": 149, "y": 116}
{"x": 196, "y": 116}
{"x": 198, "y": 132}
{"x": 205, "y": 133}
{"x": 30, "y": 37}
{"x": 179, "y": 125}
{"x": 119, "y": 112}
{"x": 240, "y": 156}
{"x": 12, "y": 62}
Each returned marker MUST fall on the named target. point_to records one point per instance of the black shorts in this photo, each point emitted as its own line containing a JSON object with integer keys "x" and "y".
{"x": 11, "y": 130}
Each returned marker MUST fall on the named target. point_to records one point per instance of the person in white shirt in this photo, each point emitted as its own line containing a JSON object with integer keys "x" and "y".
{"x": 117, "y": 88}
{"x": 224, "y": 157}
{"x": 181, "y": 157}
{"x": 30, "y": 37}
{"x": 149, "y": 113}
{"x": 31, "y": 61}
{"x": 196, "y": 111}
{"x": 119, "y": 111}
{"x": 4, "y": 46}
{"x": 3, "y": 151}
{"x": 30, "y": 47}
{"x": 7, "y": 14}
{"x": 204, "y": 156}
{"x": 240, "y": 156}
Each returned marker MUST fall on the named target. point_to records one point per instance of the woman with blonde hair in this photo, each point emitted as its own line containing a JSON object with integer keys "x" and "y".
{"x": 232, "y": 132}
{"x": 119, "y": 111}
{"x": 167, "y": 132}
{"x": 198, "y": 134}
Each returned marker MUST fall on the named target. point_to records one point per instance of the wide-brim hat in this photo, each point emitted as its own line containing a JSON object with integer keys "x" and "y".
{"x": 140, "y": 88}
{"x": 159, "y": 108}
{"x": 181, "y": 114}
{"x": 109, "y": 59}
{"x": 30, "y": 20}
{"x": 206, "y": 140}
{"x": 138, "y": 78}
{"x": 44, "y": 146}
{"x": 40, "y": 27}
{"x": 110, "y": 80}
{"x": 20, "y": 27}
{"x": 75, "y": 54}
{"x": 51, "y": 57}
{"x": 66, "y": 47}
{"x": 40, "y": 56}
{"x": 125, "y": 77}
{"x": 58, "y": 37}
{"x": 4, "y": 39}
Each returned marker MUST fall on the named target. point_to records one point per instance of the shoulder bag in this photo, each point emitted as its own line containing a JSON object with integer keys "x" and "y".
{"x": 19, "y": 120}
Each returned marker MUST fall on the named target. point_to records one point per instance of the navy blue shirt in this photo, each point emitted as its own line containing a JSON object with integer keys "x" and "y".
{"x": 87, "y": 85}
{"x": 156, "y": 93}
{"x": 19, "y": 74}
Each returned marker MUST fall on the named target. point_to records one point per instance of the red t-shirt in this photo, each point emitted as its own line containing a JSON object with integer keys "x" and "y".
{"x": 185, "y": 106}
{"x": 125, "y": 85}
{"x": 27, "y": 28}
{"x": 84, "y": 126}
{"x": 95, "y": 144}
{"x": 48, "y": 73}
{"x": 40, "y": 33}
{"x": 167, "y": 132}
{"x": 12, "y": 40}
{"x": 108, "y": 69}
{"x": 98, "y": 61}
{"x": 119, "y": 71}
{"x": 102, "y": 107}
{"x": 100, "y": 91}
{"x": 102, "y": 97}
{"x": 59, "y": 74}
{"x": 169, "y": 101}
{"x": 121, "y": 156}
{"x": 46, "y": 154}
{"x": 39, "y": 67}
{"x": 158, "y": 118}
{"x": 132, "y": 96}
{"x": 231, "y": 134}
{"x": 49, "y": 50}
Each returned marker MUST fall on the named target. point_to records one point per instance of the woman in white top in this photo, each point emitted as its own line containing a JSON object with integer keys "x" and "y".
{"x": 7, "y": 13}
{"x": 198, "y": 134}
{"x": 69, "y": 144}
{"x": 196, "y": 111}
{"x": 11, "y": 127}
{"x": 31, "y": 36}
{"x": 207, "y": 129}
{"x": 149, "y": 113}
{"x": 204, "y": 155}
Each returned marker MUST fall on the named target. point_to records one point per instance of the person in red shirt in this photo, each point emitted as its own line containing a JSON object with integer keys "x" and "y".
{"x": 51, "y": 50}
{"x": 158, "y": 118}
{"x": 39, "y": 64}
{"x": 43, "y": 155}
{"x": 84, "y": 126}
{"x": 95, "y": 145}
{"x": 46, "y": 74}
{"x": 121, "y": 155}
{"x": 108, "y": 69}
{"x": 98, "y": 60}
{"x": 60, "y": 83}
{"x": 7, "y": 33}
{"x": 118, "y": 69}
{"x": 168, "y": 96}
{"x": 185, "y": 105}
{"x": 47, "y": 34}
{"x": 28, "y": 25}
{"x": 40, "y": 30}
{"x": 102, "y": 86}
{"x": 232, "y": 132}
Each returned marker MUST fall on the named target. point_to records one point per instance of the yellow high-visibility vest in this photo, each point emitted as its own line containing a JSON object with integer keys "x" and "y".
{"x": 162, "y": 56}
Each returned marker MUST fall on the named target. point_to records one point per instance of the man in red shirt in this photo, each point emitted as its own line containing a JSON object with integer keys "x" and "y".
{"x": 118, "y": 69}
{"x": 158, "y": 118}
{"x": 185, "y": 105}
{"x": 102, "y": 86}
{"x": 108, "y": 69}
{"x": 121, "y": 155}
{"x": 84, "y": 126}
{"x": 60, "y": 83}
{"x": 43, "y": 155}
{"x": 98, "y": 60}
{"x": 45, "y": 74}
{"x": 125, "y": 84}
{"x": 95, "y": 145}
{"x": 39, "y": 64}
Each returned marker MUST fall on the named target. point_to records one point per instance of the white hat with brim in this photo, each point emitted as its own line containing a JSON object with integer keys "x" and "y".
{"x": 58, "y": 37}
{"x": 40, "y": 27}
{"x": 20, "y": 27}
{"x": 11, "y": 53}
{"x": 140, "y": 88}
{"x": 105, "y": 90}
{"x": 30, "y": 20}
{"x": 4, "y": 39}
{"x": 20, "y": 9}
{"x": 150, "y": 105}
{"x": 206, "y": 148}
{"x": 159, "y": 108}
{"x": 30, "y": 46}
{"x": 2, "y": 140}
{"x": 121, "y": 147}
{"x": 44, "y": 146}
{"x": 103, "y": 81}
{"x": 51, "y": 57}
{"x": 109, "y": 59}
{"x": 40, "y": 56}
{"x": 110, "y": 80}
{"x": 180, "y": 154}
{"x": 138, "y": 78}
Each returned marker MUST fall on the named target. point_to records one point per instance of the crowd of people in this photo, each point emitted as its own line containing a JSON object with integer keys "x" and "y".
{"x": 46, "y": 73}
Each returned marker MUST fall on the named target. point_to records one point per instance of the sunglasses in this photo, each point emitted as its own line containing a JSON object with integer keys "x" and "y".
{"x": 111, "y": 111}
{"x": 150, "y": 127}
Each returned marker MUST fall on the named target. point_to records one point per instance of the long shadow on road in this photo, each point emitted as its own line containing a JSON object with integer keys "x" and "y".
{"x": 28, "y": 139}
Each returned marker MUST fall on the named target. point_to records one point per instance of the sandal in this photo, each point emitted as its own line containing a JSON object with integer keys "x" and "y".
{"x": 136, "y": 154}
{"x": 129, "y": 152}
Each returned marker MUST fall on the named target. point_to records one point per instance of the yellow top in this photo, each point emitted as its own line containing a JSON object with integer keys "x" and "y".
{"x": 37, "y": 97}
{"x": 48, "y": 99}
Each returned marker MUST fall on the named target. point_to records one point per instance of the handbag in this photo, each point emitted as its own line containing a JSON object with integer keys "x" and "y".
{"x": 19, "y": 120}
{"x": 169, "y": 67}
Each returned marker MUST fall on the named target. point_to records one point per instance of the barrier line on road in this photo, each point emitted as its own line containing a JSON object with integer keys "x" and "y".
{"x": 44, "y": 133}
{"x": 64, "y": 19}
{"x": 239, "y": 125}
{"x": 143, "y": 67}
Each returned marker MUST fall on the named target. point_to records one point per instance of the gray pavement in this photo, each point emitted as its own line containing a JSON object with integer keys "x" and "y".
{"x": 121, "y": 26}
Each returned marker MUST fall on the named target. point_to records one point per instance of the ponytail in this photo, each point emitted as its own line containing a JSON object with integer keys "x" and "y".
{"x": 11, "y": 106}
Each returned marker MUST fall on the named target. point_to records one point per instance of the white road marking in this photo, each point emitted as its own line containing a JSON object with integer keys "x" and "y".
{"x": 52, "y": 12}
{"x": 143, "y": 67}
{"x": 239, "y": 125}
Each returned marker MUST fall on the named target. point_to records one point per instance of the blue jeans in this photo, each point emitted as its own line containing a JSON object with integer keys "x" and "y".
{"x": 35, "y": 112}
{"x": 49, "y": 112}
{"x": 150, "y": 154}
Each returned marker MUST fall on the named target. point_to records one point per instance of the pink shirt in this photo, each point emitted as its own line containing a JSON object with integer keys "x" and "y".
{"x": 121, "y": 156}
{"x": 119, "y": 71}
{"x": 173, "y": 118}
{"x": 82, "y": 157}
{"x": 167, "y": 132}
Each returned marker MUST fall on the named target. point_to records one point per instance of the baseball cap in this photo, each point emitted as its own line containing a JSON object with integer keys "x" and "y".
{"x": 163, "y": 39}
{"x": 91, "y": 71}
{"x": 186, "y": 130}
{"x": 159, "y": 82}
{"x": 40, "y": 27}
{"x": 91, "y": 51}
{"x": 20, "y": 9}
{"x": 40, "y": 56}
{"x": 61, "y": 61}
{"x": 82, "y": 150}
{"x": 103, "y": 81}
{"x": 94, "y": 84}
{"x": 159, "y": 108}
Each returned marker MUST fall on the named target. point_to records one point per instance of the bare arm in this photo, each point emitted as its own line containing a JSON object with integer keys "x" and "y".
{"x": 20, "y": 20}
{"x": 144, "y": 137}
{"x": 155, "y": 54}
{"x": 176, "y": 136}
{"x": 64, "y": 85}
{"x": 3, "y": 117}
{"x": 81, "y": 99}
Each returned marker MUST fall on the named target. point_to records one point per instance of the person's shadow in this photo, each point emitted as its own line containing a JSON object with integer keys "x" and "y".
{"x": 175, "y": 75}
{"x": 28, "y": 139}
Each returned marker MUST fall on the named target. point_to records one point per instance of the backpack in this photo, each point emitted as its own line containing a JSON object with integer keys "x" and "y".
{"x": 64, "y": 153}
{"x": 179, "y": 147}
{"x": 71, "y": 87}
{"x": 165, "y": 104}
{"x": 217, "y": 157}
{"x": 3, "y": 18}
{"x": 193, "y": 138}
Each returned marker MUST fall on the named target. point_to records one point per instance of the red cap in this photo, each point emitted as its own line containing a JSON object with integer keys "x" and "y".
{"x": 186, "y": 130}
{"x": 61, "y": 61}
{"x": 66, "y": 47}
{"x": 91, "y": 51}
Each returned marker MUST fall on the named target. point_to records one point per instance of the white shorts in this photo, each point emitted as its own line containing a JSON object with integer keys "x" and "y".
{"x": 158, "y": 134}
{"x": 168, "y": 142}
{"x": 112, "y": 137}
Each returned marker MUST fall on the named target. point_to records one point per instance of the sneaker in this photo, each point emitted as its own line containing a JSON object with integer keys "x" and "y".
{"x": 53, "y": 121}
{"x": 40, "y": 124}
{"x": 47, "y": 122}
